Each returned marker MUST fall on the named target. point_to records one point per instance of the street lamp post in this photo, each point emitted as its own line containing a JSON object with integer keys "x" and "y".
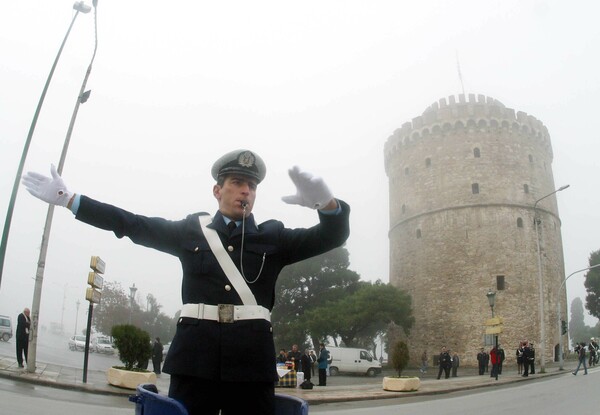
{"x": 79, "y": 7}
{"x": 536, "y": 221}
{"x": 491, "y": 295}
{"x": 76, "y": 316}
{"x": 132, "y": 291}
{"x": 39, "y": 276}
{"x": 560, "y": 335}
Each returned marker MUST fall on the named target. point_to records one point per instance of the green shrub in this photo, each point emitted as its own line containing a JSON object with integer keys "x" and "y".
{"x": 400, "y": 357}
{"x": 133, "y": 344}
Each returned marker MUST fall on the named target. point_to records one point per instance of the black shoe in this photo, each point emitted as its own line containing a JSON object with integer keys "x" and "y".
{"x": 524, "y": 376}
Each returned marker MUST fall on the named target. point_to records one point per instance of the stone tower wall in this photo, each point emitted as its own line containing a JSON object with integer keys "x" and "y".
{"x": 449, "y": 245}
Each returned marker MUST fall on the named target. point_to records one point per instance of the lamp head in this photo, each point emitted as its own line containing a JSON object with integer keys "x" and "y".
{"x": 491, "y": 297}
{"x": 80, "y": 6}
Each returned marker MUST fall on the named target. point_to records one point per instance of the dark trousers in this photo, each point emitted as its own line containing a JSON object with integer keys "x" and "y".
{"x": 22, "y": 346}
{"x": 495, "y": 369}
{"x": 322, "y": 377}
{"x": 532, "y": 366}
{"x": 207, "y": 397}
{"x": 156, "y": 365}
{"x": 454, "y": 370}
{"x": 446, "y": 370}
{"x": 481, "y": 368}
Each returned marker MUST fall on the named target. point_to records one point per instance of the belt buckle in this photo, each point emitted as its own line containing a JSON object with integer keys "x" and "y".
{"x": 225, "y": 313}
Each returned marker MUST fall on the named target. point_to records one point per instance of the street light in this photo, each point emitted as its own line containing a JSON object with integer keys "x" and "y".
{"x": 132, "y": 291}
{"x": 79, "y": 7}
{"x": 536, "y": 221}
{"x": 560, "y": 335}
{"x": 491, "y": 295}
{"x": 39, "y": 276}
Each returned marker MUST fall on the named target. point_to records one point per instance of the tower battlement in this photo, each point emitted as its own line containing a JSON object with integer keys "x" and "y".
{"x": 473, "y": 113}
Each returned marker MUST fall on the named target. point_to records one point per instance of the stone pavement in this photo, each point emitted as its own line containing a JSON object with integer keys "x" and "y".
{"x": 53, "y": 375}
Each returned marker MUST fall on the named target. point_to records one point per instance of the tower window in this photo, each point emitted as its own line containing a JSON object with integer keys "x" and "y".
{"x": 519, "y": 222}
{"x": 403, "y": 209}
{"x": 427, "y": 162}
{"x": 475, "y": 188}
{"x": 418, "y": 233}
{"x": 476, "y": 152}
{"x": 530, "y": 158}
{"x": 526, "y": 188}
{"x": 499, "y": 282}
{"x": 406, "y": 171}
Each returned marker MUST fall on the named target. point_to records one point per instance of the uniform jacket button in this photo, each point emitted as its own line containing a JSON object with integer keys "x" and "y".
{"x": 196, "y": 249}
{"x": 228, "y": 287}
{"x": 230, "y": 248}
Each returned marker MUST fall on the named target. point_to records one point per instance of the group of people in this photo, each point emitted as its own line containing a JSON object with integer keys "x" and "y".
{"x": 496, "y": 357}
{"x": 447, "y": 361}
{"x": 305, "y": 362}
{"x": 580, "y": 349}
{"x": 525, "y": 359}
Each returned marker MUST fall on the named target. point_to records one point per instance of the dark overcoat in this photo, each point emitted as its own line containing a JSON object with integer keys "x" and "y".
{"x": 239, "y": 351}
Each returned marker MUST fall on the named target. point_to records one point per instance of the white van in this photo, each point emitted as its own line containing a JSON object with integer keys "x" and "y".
{"x": 351, "y": 360}
{"x": 6, "y": 331}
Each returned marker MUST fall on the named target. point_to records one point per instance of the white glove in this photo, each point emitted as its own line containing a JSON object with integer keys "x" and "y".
{"x": 311, "y": 191}
{"x": 49, "y": 189}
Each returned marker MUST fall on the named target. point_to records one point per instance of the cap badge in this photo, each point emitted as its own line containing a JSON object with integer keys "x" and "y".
{"x": 246, "y": 159}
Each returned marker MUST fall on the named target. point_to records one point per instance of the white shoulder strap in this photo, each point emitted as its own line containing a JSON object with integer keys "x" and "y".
{"x": 229, "y": 268}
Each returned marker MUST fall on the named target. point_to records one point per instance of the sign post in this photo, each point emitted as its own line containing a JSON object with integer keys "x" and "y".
{"x": 93, "y": 295}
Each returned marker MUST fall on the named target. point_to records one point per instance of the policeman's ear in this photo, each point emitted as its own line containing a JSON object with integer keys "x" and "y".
{"x": 217, "y": 192}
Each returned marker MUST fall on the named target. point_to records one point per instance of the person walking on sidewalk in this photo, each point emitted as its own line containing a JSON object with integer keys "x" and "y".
{"x": 23, "y": 323}
{"x": 157, "y": 355}
{"x": 424, "y": 362}
{"x": 445, "y": 363}
{"x": 580, "y": 349}
{"x": 481, "y": 361}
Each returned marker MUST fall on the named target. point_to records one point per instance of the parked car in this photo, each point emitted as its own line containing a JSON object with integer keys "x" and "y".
{"x": 77, "y": 343}
{"x": 6, "y": 331}
{"x": 103, "y": 345}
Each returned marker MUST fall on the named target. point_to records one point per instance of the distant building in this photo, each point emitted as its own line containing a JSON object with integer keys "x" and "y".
{"x": 463, "y": 181}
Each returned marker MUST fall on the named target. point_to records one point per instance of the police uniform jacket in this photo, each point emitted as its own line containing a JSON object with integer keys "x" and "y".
{"x": 238, "y": 351}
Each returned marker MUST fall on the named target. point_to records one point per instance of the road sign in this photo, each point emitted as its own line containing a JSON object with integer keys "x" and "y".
{"x": 92, "y": 295}
{"x": 494, "y": 321}
{"x": 493, "y": 330}
{"x": 95, "y": 280}
{"x": 97, "y": 264}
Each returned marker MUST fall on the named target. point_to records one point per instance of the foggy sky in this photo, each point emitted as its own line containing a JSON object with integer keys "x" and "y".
{"x": 319, "y": 84}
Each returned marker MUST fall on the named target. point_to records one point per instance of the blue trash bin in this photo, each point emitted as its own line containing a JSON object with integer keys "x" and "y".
{"x": 149, "y": 402}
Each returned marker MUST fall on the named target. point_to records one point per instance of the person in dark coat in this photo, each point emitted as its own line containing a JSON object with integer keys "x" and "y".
{"x": 481, "y": 356}
{"x": 22, "y": 335}
{"x": 455, "y": 364}
{"x": 527, "y": 357}
{"x": 157, "y": 355}
{"x": 445, "y": 361}
{"x": 306, "y": 364}
{"x": 224, "y": 339}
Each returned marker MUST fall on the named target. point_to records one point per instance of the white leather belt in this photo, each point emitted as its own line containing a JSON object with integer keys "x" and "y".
{"x": 225, "y": 313}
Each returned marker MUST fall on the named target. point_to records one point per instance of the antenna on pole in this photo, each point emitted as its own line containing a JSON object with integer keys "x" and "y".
{"x": 462, "y": 85}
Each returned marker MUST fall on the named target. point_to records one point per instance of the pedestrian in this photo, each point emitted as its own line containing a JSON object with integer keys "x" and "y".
{"x": 424, "y": 362}
{"x": 495, "y": 358}
{"x": 455, "y": 364}
{"x": 305, "y": 363}
{"x": 224, "y": 339}
{"x": 501, "y": 357}
{"x": 481, "y": 360}
{"x": 580, "y": 350}
{"x": 445, "y": 361}
{"x": 531, "y": 359}
{"x": 323, "y": 362}
{"x": 281, "y": 357}
{"x": 593, "y": 352}
{"x": 157, "y": 355}
{"x": 486, "y": 361}
{"x": 526, "y": 358}
{"x": 519, "y": 354}
{"x": 23, "y": 325}
{"x": 294, "y": 356}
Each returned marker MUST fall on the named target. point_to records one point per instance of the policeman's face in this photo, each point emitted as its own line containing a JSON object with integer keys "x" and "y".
{"x": 235, "y": 190}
